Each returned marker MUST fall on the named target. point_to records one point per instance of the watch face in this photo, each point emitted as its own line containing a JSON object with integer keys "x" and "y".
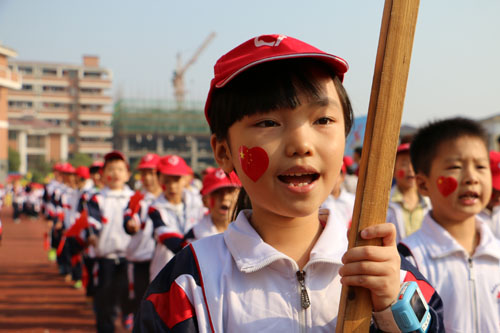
{"x": 417, "y": 306}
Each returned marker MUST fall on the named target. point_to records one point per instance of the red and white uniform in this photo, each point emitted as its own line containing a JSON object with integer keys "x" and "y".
{"x": 468, "y": 285}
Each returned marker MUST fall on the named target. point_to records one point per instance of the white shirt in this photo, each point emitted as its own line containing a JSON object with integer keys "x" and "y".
{"x": 468, "y": 285}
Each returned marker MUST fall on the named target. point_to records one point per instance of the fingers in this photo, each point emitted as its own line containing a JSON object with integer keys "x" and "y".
{"x": 386, "y": 231}
{"x": 370, "y": 253}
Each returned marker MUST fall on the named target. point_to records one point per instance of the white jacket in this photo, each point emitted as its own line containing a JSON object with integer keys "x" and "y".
{"x": 342, "y": 207}
{"x": 468, "y": 286}
{"x": 235, "y": 282}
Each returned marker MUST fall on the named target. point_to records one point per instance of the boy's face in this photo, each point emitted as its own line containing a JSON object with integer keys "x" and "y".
{"x": 173, "y": 187}
{"x": 149, "y": 179}
{"x": 304, "y": 149}
{"x": 459, "y": 181}
{"x": 403, "y": 171}
{"x": 221, "y": 203}
{"x": 115, "y": 174}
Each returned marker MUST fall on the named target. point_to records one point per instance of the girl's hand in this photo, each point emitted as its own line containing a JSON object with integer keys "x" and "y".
{"x": 376, "y": 268}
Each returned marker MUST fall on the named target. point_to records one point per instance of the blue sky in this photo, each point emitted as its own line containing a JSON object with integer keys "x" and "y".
{"x": 455, "y": 67}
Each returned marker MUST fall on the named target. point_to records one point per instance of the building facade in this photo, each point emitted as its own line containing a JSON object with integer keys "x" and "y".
{"x": 61, "y": 109}
{"x": 9, "y": 80}
{"x": 142, "y": 126}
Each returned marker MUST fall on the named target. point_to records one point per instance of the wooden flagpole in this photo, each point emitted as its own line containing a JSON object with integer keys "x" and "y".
{"x": 379, "y": 147}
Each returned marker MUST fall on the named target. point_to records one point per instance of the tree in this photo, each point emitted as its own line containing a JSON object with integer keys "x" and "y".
{"x": 14, "y": 160}
{"x": 80, "y": 159}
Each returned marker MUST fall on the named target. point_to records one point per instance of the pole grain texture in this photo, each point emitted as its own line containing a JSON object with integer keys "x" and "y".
{"x": 385, "y": 110}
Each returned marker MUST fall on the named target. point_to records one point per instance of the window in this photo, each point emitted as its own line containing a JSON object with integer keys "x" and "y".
{"x": 36, "y": 141}
{"x": 55, "y": 89}
{"x": 92, "y": 75}
{"x": 20, "y": 104}
{"x": 25, "y": 70}
{"x": 27, "y": 87}
{"x": 12, "y": 135}
{"x": 49, "y": 71}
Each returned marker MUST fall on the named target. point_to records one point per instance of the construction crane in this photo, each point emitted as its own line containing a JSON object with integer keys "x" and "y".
{"x": 178, "y": 78}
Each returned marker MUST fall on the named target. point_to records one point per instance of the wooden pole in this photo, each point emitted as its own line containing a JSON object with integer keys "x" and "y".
{"x": 379, "y": 147}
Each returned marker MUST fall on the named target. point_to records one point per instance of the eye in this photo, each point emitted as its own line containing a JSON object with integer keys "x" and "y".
{"x": 454, "y": 167}
{"x": 324, "y": 121}
{"x": 267, "y": 123}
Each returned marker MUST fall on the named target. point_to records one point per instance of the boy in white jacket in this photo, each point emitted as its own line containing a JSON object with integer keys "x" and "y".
{"x": 455, "y": 250}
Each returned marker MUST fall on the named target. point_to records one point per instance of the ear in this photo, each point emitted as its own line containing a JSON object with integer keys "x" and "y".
{"x": 422, "y": 184}
{"x": 222, "y": 153}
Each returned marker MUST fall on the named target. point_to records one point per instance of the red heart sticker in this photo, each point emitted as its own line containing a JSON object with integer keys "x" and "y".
{"x": 400, "y": 174}
{"x": 254, "y": 161}
{"x": 446, "y": 185}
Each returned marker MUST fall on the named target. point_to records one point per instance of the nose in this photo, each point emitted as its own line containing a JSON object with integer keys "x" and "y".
{"x": 298, "y": 141}
{"x": 471, "y": 175}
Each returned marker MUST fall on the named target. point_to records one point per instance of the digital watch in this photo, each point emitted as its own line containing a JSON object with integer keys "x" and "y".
{"x": 409, "y": 313}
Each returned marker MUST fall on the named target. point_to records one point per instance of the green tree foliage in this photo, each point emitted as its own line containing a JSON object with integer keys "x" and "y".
{"x": 80, "y": 159}
{"x": 14, "y": 160}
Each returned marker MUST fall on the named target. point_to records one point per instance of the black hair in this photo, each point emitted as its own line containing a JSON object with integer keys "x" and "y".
{"x": 113, "y": 159}
{"x": 94, "y": 169}
{"x": 270, "y": 86}
{"x": 428, "y": 139}
{"x": 358, "y": 150}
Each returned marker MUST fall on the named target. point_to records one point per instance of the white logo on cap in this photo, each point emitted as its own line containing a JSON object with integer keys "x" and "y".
{"x": 148, "y": 157}
{"x": 174, "y": 160}
{"x": 220, "y": 174}
{"x": 259, "y": 43}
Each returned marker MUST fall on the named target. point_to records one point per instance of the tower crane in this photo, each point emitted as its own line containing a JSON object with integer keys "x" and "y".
{"x": 178, "y": 77}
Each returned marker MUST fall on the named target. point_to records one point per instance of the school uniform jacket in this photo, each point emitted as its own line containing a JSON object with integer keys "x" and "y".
{"x": 235, "y": 282}
{"x": 202, "y": 229}
{"x": 170, "y": 228}
{"x": 468, "y": 285}
{"x": 106, "y": 209}
{"x": 142, "y": 243}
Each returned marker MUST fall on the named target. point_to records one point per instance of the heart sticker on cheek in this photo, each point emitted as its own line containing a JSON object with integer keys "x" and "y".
{"x": 254, "y": 161}
{"x": 446, "y": 185}
{"x": 400, "y": 174}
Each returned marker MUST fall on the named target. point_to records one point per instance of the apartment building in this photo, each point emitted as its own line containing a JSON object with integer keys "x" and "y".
{"x": 60, "y": 109}
{"x": 9, "y": 79}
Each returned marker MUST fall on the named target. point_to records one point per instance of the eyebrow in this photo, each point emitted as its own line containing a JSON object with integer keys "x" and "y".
{"x": 323, "y": 101}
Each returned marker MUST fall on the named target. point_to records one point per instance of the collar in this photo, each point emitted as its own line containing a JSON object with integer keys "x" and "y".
{"x": 397, "y": 197}
{"x": 442, "y": 244}
{"x": 251, "y": 253}
{"x": 122, "y": 193}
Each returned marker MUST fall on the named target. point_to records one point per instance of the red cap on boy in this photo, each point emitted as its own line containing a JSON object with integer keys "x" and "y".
{"x": 267, "y": 48}
{"x": 115, "y": 154}
{"x": 218, "y": 179}
{"x": 174, "y": 165}
{"x": 149, "y": 161}
{"x": 495, "y": 169}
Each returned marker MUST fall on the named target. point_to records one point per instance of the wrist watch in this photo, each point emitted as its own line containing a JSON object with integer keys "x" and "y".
{"x": 409, "y": 313}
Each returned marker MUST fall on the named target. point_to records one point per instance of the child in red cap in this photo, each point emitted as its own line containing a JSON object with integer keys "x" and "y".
{"x": 407, "y": 207}
{"x": 279, "y": 116}
{"x": 491, "y": 213}
{"x": 221, "y": 191}
{"x": 175, "y": 212}
{"x": 140, "y": 249}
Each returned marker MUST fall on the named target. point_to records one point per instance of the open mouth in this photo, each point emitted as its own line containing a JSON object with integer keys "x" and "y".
{"x": 469, "y": 195}
{"x": 299, "y": 179}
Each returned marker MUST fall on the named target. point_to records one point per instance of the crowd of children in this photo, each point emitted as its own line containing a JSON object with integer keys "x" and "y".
{"x": 262, "y": 244}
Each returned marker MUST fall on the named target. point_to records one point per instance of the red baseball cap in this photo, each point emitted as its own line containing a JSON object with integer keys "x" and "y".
{"x": 495, "y": 169}
{"x": 67, "y": 168}
{"x": 148, "y": 161}
{"x": 115, "y": 154}
{"x": 218, "y": 179}
{"x": 403, "y": 148}
{"x": 174, "y": 165}
{"x": 267, "y": 48}
{"x": 83, "y": 172}
{"x": 57, "y": 167}
{"x": 348, "y": 161}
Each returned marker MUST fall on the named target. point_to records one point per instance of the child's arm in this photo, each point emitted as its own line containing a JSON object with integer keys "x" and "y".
{"x": 378, "y": 268}
{"x": 165, "y": 234}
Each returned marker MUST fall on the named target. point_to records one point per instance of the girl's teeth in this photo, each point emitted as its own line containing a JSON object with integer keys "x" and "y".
{"x": 299, "y": 184}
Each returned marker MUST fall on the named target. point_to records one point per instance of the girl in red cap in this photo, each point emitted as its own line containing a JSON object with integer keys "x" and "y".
{"x": 279, "y": 117}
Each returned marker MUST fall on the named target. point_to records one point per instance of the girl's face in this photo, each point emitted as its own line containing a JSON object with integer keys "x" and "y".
{"x": 221, "y": 203}
{"x": 403, "y": 171}
{"x": 288, "y": 159}
{"x": 149, "y": 179}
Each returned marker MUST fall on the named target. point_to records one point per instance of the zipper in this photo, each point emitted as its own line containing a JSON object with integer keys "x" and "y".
{"x": 305, "y": 302}
{"x": 472, "y": 280}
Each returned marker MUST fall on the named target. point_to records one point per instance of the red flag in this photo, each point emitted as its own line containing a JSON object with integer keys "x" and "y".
{"x": 80, "y": 224}
{"x": 134, "y": 202}
{"x": 46, "y": 243}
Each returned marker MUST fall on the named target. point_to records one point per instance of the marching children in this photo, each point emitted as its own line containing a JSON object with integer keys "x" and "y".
{"x": 106, "y": 209}
{"x": 407, "y": 207}
{"x": 279, "y": 117}
{"x": 220, "y": 192}
{"x": 136, "y": 223}
{"x": 454, "y": 249}
{"x": 175, "y": 212}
